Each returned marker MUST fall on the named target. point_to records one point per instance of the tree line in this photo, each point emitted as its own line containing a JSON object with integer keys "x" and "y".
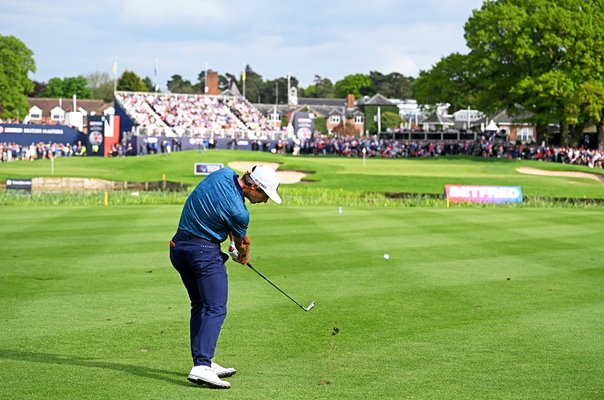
{"x": 99, "y": 85}
{"x": 543, "y": 59}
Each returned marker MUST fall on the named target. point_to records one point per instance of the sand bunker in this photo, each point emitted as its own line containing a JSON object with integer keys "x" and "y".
{"x": 284, "y": 176}
{"x": 571, "y": 174}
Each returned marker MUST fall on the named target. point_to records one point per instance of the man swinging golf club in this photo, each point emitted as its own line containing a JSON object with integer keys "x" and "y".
{"x": 215, "y": 209}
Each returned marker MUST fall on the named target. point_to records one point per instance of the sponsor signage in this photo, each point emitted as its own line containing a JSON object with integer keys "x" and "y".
{"x": 483, "y": 194}
{"x": 303, "y": 124}
{"x": 206, "y": 169}
{"x": 32, "y": 130}
{"x": 96, "y": 134}
{"x": 18, "y": 184}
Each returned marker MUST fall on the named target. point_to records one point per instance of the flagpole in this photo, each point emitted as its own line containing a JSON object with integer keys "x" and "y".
{"x": 243, "y": 79}
{"x": 156, "y": 69}
{"x": 115, "y": 75}
{"x": 288, "y": 87}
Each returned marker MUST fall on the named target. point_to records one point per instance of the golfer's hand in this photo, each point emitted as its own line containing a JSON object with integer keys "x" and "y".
{"x": 242, "y": 245}
{"x": 243, "y": 258}
{"x": 233, "y": 252}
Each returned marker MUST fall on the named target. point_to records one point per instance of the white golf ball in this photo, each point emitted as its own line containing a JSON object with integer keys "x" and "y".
{"x": 386, "y": 256}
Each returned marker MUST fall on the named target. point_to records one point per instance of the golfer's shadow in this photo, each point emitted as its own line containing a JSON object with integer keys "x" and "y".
{"x": 57, "y": 359}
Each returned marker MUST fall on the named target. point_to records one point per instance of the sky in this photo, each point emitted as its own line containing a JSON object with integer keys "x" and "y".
{"x": 161, "y": 38}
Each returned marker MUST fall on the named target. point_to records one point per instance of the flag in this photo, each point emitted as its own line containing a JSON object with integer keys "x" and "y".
{"x": 243, "y": 76}
{"x": 115, "y": 67}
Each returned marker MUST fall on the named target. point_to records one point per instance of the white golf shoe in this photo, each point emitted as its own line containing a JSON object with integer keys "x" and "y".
{"x": 202, "y": 374}
{"x": 223, "y": 372}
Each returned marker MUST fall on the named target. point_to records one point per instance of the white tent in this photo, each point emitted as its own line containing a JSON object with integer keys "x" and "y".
{"x": 492, "y": 126}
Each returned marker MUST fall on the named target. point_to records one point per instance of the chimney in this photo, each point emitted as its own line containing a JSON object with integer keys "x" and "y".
{"x": 350, "y": 101}
{"x": 212, "y": 83}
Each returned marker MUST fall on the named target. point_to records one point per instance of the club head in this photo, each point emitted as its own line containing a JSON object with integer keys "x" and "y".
{"x": 311, "y": 305}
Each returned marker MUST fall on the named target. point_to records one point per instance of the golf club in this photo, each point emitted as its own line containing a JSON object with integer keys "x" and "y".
{"x": 311, "y": 305}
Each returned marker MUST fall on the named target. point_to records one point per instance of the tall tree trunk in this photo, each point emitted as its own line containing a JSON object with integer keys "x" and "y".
{"x": 563, "y": 134}
{"x": 576, "y": 134}
{"x": 542, "y": 133}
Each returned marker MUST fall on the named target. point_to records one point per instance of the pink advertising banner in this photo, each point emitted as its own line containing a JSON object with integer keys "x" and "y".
{"x": 483, "y": 194}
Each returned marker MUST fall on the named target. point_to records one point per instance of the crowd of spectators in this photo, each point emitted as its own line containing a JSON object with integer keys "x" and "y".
{"x": 138, "y": 108}
{"x": 324, "y": 145}
{"x": 248, "y": 114}
{"x": 10, "y": 121}
{"x": 38, "y": 151}
{"x": 485, "y": 147}
{"x": 195, "y": 115}
{"x": 192, "y": 115}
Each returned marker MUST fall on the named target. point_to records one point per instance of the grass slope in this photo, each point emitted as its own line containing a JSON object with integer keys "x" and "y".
{"x": 92, "y": 309}
{"x": 350, "y": 174}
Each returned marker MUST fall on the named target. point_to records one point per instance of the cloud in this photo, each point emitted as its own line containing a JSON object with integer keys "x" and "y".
{"x": 330, "y": 39}
{"x": 156, "y": 14}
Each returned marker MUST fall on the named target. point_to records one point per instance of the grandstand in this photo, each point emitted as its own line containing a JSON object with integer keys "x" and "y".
{"x": 193, "y": 115}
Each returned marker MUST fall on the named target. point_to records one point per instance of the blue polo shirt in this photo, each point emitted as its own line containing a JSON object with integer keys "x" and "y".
{"x": 216, "y": 207}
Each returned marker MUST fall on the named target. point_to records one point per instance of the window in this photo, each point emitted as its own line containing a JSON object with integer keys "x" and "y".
{"x": 335, "y": 118}
{"x": 358, "y": 119}
{"x": 35, "y": 113}
{"x": 57, "y": 114}
{"x": 525, "y": 134}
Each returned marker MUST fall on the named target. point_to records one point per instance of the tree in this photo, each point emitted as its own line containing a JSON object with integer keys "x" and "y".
{"x": 16, "y": 62}
{"x": 540, "y": 55}
{"x": 77, "y": 86}
{"x": 131, "y": 82}
{"x": 150, "y": 85}
{"x": 449, "y": 81}
{"x": 101, "y": 85}
{"x": 390, "y": 120}
{"x": 177, "y": 84}
{"x": 54, "y": 88}
{"x": 269, "y": 91}
{"x": 589, "y": 100}
{"x": 321, "y": 88}
{"x": 38, "y": 88}
{"x": 67, "y": 87}
{"x": 358, "y": 84}
{"x": 393, "y": 85}
{"x": 252, "y": 86}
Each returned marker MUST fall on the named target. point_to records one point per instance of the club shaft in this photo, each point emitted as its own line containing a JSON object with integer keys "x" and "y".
{"x": 275, "y": 286}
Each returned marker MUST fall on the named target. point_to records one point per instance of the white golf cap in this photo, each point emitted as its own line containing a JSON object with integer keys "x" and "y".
{"x": 268, "y": 180}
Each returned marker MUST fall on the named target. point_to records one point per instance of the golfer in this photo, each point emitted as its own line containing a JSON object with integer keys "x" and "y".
{"x": 215, "y": 209}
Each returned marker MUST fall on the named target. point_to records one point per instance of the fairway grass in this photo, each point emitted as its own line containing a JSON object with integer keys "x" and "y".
{"x": 414, "y": 175}
{"x": 474, "y": 303}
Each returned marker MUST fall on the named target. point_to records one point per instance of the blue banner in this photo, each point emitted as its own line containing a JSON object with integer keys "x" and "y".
{"x": 26, "y": 134}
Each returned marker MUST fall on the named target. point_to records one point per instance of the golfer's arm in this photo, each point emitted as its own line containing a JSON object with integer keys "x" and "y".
{"x": 243, "y": 247}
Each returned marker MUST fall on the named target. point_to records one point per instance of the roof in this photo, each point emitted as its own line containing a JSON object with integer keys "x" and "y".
{"x": 267, "y": 109}
{"x": 378, "y": 100}
{"x": 90, "y": 105}
{"x": 232, "y": 91}
{"x": 437, "y": 119}
{"x": 309, "y": 101}
{"x": 521, "y": 116}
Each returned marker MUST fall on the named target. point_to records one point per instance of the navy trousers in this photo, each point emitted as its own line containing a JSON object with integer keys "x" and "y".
{"x": 200, "y": 264}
